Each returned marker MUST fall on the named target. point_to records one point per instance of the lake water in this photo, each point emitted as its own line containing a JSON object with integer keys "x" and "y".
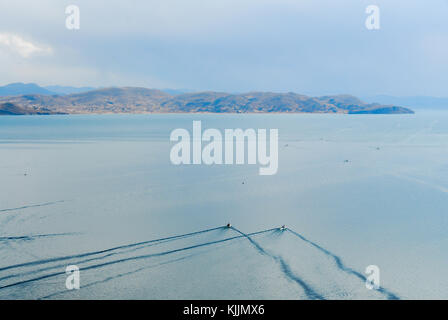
{"x": 93, "y": 190}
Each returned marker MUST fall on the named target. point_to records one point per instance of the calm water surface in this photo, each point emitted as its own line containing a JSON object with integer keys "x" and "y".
{"x": 92, "y": 190}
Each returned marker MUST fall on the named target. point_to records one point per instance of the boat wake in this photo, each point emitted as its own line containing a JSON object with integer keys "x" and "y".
{"x": 17, "y": 276}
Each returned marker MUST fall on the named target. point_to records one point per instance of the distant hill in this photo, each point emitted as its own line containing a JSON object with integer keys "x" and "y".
{"x": 143, "y": 100}
{"x": 12, "y": 109}
{"x": 15, "y": 89}
{"x": 19, "y": 88}
{"x": 176, "y": 91}
{"x": 68, "y": 90}
{"x": 412, "y": 102}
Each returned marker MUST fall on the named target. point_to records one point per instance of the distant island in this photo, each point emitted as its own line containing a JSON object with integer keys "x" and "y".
{"x": 143, "y": 100}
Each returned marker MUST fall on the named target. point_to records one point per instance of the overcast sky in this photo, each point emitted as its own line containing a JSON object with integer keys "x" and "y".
{"x": 306, "y": 46}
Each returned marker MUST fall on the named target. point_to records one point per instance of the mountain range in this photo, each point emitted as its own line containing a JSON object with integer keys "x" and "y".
{"x": 143, "y": 100}
{"x": 18, "y": 88}
{"x": 14, "y": 89}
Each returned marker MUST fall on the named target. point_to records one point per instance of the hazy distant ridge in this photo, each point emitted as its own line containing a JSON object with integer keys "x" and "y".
{"x": 424, "y": 102}
{"x": 143, "y": 100}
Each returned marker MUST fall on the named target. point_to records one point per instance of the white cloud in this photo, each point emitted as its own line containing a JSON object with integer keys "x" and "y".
{"x": 22, "y": 47}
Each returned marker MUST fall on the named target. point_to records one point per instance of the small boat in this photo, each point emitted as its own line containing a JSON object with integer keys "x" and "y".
{"x": 282, "y": 228}
{"x": 228, "y": 225}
